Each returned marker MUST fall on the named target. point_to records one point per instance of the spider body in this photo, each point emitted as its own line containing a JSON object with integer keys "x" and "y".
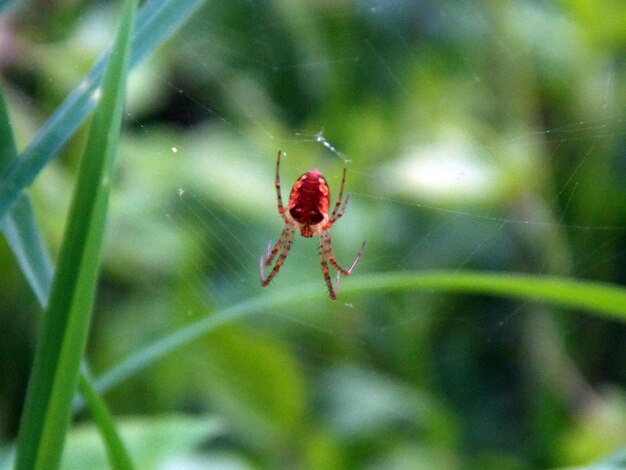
{"x": 307, "y": 210}
{"x": 308, "y": 202}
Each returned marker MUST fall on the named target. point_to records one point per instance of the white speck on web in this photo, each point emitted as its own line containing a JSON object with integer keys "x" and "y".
{"x": 181, "y": 191}
{"x": 174, "y": 149}
{"x": 319, "y": 137}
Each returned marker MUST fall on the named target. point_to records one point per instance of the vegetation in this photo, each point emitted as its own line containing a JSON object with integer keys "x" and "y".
{"x": 482, "y": 328}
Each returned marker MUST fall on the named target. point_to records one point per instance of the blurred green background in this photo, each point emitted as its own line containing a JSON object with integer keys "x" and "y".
{"x": 477, "y": 135}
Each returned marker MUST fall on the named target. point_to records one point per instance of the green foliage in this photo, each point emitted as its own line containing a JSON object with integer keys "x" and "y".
{"x": 116, "y": 452}
{"x": 19, "y": 226}
{"x": 151, "y": 441}
{"x": 156, "y": 21}
{"x": 602, "y": 298}
{"x": 65, "y": 325}
{"x": 482, "y": 327}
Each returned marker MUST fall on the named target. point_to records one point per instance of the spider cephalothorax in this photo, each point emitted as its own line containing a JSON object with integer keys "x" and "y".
{"x": 307, "y": 210}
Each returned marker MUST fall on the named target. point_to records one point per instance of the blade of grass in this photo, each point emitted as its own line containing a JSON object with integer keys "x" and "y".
{"x": 25, "y": 240}
{"x": 116, "y": 452}
{"x": 157, "y": 20}
{"x": 19, "y": 226}
{"x": 7, "y": 149}
{"x": 65, "y": 325}
{"x": 602, "y": 298}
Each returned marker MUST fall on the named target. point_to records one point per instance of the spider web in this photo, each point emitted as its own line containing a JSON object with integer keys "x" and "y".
{"x": 439, "y": 180}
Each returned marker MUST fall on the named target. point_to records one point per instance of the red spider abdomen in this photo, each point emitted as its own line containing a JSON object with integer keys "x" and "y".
{"x": 308, "y": 202}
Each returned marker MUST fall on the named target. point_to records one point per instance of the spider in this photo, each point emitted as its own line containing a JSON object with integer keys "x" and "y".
{"x": 307, "y": 210}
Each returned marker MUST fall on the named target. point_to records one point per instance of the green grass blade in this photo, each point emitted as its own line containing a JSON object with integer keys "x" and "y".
{"x": 601, "y": 298}
{"x": 24, "y": 237}
{"x": 116, "y": 451}
{"x": 156, "y": 21}
{"x": 65, "y": 325}
{"x": 19, "y": 226}
{"x": 7, "y": 149}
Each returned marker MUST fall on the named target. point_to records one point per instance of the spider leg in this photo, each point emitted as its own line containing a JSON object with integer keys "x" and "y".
{"x": 331, "y": 290}
{"x": 336, "y": 287}
{"x": 354, "y": 262}
{"x": 338, "y": 203}
{"x": 271, "y": 253}
{"x": 285, "y": 241}
{"x": 281, "y": 208}
{"x": 327, "y": 256}
{"x": 325, "y": 239}
{"x": 277, "y": 266}
{"x": 335, "y": 217}
{"x": 325, "y": 250}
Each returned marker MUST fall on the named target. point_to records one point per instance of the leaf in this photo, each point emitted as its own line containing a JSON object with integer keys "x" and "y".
{"x": 151, "y": 440}
{"x": 23, "y": 235}
{"x": 604, "y": 299}
{"x": 19, "y": 226}
{"x": 257, "y": 381}
{"x": 118, "y": 456}
{"x": 156, "y": 21}
{"x": 65, "y": 325}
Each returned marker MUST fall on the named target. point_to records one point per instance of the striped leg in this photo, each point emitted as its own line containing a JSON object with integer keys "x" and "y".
{"x": 285, "y": 241}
